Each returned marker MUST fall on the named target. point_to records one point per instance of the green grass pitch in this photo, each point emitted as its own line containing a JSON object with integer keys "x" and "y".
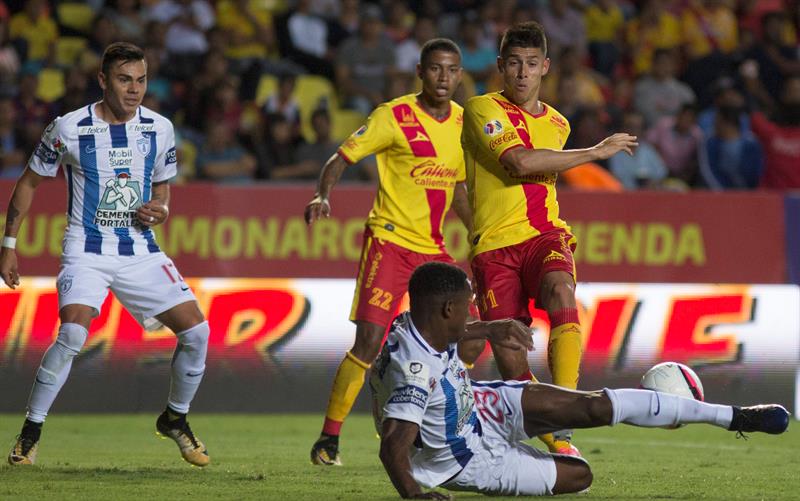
{"x": 114, "y": 457}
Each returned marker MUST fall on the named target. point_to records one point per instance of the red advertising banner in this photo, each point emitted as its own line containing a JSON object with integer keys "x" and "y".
{"x": 258, "y": 231}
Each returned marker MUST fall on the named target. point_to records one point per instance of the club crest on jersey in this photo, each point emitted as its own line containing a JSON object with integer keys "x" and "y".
{"x": 493, "y": 128}
{"x": 143, "y": 146}
{"x": 65, "y": 284}
{"x": 121, "y": 198}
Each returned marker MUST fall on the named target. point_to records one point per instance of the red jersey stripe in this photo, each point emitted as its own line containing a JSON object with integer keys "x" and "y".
{"x": 418, "y": 139}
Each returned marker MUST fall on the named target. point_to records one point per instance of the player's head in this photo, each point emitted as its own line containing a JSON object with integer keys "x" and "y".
{"x": 123, "y": 77}
{"x": 523, "y": 61}
{"x": 439, "y": 69}
{"x": 441, "y": 293}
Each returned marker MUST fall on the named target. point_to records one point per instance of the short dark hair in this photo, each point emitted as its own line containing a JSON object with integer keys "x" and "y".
{"x": 436, "y": 279}
{"x": 434, "y": 44}
{"x": 529, "y": 34}
{"x": 120, "y": 51}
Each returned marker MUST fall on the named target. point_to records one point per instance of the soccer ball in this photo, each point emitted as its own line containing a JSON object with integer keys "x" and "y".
{"x": 675, "y": 378}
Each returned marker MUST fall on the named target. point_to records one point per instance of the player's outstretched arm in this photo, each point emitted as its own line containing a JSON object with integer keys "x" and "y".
{"x": 18, "y": 207}
{"x": 521, "y": 162}
{"x": 319, "y": 206}
{"x": 396, "y": 439}
{"x": 508, "y": 333}
{"x": 156, "y": 210}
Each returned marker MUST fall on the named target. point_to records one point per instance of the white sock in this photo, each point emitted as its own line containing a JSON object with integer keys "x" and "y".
{"x": 188, "y": 365}
{"x": 653, "y": 409}
{"x": 54, "y": 370}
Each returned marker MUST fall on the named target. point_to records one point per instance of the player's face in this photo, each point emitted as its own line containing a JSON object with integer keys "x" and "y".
{"x": 440, "y": 75}
{"x": 125, "y": 86}
{"x": 522, "y": 70}
{"x": 461, "y": 313}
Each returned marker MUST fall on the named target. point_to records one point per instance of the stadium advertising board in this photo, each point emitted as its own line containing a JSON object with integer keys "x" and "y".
{"x": 275, "y": 344}
{"x": 219, "y": 231}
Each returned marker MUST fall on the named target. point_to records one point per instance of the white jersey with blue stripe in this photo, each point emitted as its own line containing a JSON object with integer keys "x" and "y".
{"x": 110, "y": 171}
{"x": 413, "y": 382}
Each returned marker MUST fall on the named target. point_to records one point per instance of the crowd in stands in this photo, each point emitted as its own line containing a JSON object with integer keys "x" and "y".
{"x": 265, "y": 89}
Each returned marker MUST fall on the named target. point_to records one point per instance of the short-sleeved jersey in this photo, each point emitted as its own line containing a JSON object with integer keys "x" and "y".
{"x": 413, "y": 382}
{"x": 419, "y": 163}
{"x": 506, "y": 209}
{"x": 110, "y": 171}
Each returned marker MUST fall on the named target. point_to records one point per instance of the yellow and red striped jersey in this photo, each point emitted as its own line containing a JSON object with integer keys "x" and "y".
{"x": 419, "y": 163}
{"x": 508, "y": 210}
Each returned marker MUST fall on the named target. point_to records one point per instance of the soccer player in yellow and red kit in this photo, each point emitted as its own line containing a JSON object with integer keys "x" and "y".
{"x": 421, "y": 169}
{"x": 521, "y": 249}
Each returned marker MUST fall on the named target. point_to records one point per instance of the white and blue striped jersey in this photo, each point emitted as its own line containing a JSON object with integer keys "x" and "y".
{"x": 413, "y": 382}
{"x": 110, "y": 171}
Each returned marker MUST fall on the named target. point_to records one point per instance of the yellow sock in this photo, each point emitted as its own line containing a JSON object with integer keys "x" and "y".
{"x": 346, "y": 385}
{"x": 564, "y": 354}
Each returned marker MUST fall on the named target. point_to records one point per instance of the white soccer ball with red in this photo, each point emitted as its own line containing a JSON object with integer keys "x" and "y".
{"x": 675, "y": 378}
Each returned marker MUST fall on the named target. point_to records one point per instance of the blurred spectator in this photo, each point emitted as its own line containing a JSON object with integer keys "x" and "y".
{"x": 201, "y": 89}
{"x": 280, "y": 152}
{"x": 478, "y": 59}
{"x": 34, "y": 112}
{"x": 311, "y": 156}
{"x": 776, "y": 59}
{"x": 400, "y": 21}
{"x": 247, "y": 25}
{"x": 157, "y": 85}
{"x": 604, "y": 21}
{"x": 781, "y": 139}
{"x": 660, "y": 93}
{"x": 76, "y": 85}
{"x": 35, "y": 26}
{"x": 653, "y": 29}
{"x": 187, "y": 22}
{"x": 678, "y": 141}
{"x": 126, "y": 16}
{"x": 588, "y": 127}
{"x": 13, "y": 148}
{"x": 590, "y": 177}
{"x": 726, "y": 99}
{"x": 645, "y": 169}
{"x": 731, "y": 158}
{"x": 284, "y": 103}
{"x": 225, "y": 105}
{"x": 9, "y": 56}
{"x": 222, "y": 159}
{"x": 586, "y": 81}
{"x": 103, "y": 33}
{"x": 365, "y": 63}
{"x": 709, "y": 26}
{"x": 564, "y": 27}
{"x": 308, "y": 35}
{"x": 407, "y": 52}
{"x": 345, "y": 24}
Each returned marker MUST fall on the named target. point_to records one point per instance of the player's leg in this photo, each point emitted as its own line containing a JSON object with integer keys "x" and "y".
{"x": 380, "y": 285}
{"x": 150, "y": 287}
{"x": 81, "y": 292}
{"x": 548, "y": 408}
{"x": 549, "y": 277}
{"x": 500, "y": 295}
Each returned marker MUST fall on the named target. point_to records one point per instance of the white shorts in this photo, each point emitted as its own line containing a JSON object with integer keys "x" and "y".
{"x": 146, "y": 285}
{"x": 503, "y": 465}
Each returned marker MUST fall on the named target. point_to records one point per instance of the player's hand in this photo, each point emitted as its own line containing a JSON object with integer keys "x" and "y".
{"x": 511, "y": 334}
{"x": 612, "y": 145}
{"x": 430, "y": 495}
{"x": 8, "y": 267}
{"x": 317, "y": 208}
{"x": 152, "y": 213}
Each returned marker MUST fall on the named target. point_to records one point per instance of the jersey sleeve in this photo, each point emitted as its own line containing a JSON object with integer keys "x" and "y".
{"x": 166, "y": 165}
{"x": 488, "y": 128}
{"x": 376, "y": 135}
{"x": 47, "y": 155}
{"x": 409, "y": 395}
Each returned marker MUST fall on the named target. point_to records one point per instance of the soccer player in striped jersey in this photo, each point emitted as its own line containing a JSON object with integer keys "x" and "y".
{"x": 521, "y": 249}
{"x": 117, "y": 157}
{"x": 439, "y": 428}
{"x": 421, "y": 170}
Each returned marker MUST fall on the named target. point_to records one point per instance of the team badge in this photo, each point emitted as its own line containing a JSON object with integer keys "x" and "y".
{"x": 143, "y": 145}
{"x": 493, "y": 128}
{"x": 65, "y": 284}
{"x": 415, "y": 367}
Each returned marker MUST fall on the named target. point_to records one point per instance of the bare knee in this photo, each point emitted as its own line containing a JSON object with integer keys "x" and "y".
{"x": 557, "y": 291}
{"x": 572, "y": 475}
{"x": 368, "y": 341}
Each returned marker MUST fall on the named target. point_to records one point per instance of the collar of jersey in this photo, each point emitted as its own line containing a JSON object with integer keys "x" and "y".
{"x": 419, "y": 339}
